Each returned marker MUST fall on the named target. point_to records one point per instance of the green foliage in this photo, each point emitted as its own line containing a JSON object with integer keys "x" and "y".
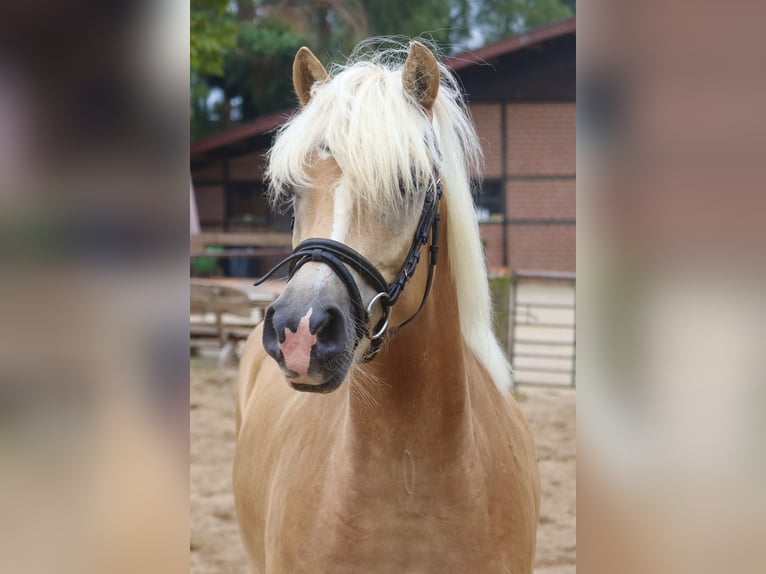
{"x": 499, "y": 18}
{"x": 244, "y": 61}
{"x": 213, "y": 33}
{"x": 500, "y": 290}
{"x": 258, "y": 71}
{"x": 445, "y": 22}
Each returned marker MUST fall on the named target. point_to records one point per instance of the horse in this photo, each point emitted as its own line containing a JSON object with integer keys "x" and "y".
{"x": 376, "y": 430}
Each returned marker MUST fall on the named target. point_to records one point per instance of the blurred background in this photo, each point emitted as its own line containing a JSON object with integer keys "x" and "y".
{"x": 670, "y": 260}
{"x": 94, "y": 182}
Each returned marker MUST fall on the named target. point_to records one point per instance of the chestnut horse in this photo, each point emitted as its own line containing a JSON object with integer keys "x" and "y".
{"x": 375, "y": 428}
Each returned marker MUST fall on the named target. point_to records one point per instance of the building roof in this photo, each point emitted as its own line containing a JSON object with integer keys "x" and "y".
{"x": 264, "y": 124}
{"x": 511, "y": 44}
{"x": 257, "y": 127}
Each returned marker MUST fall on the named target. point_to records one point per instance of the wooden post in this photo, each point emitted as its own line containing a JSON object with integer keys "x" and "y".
{"x": 512, "y": 317}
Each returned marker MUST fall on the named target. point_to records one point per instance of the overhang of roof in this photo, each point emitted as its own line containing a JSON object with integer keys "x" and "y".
{"x": 511, "y": 44}
{"x": 257, "y": 127}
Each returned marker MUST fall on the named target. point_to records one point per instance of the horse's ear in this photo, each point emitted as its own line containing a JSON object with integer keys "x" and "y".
{"x": 420, "y": 75}
{"x": 307, "y": 69}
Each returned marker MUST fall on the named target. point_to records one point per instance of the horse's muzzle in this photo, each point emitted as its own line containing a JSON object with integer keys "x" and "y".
{"x": 309, "y": 341}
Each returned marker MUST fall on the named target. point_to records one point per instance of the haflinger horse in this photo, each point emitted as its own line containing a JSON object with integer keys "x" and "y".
{"x": 375, "y": 428}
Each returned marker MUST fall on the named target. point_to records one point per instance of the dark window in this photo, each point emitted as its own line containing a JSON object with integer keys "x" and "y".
{"x": 244, "y": 205}
{"x": 247, "y": 207}
{"x": 490, "y": 203}
{"x": 280, "y": 221}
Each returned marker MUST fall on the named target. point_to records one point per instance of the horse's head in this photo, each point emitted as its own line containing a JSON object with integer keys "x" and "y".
{"x": 358, "y": 163}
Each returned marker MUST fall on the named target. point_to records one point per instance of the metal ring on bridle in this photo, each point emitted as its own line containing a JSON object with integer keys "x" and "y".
{"x": 386, "y": 312}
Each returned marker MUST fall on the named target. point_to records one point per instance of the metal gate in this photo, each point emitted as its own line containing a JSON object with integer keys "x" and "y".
{"x": 541, "y": 331}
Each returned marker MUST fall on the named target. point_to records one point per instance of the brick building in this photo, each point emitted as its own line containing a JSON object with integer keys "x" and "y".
{"x": 521, "y": 91}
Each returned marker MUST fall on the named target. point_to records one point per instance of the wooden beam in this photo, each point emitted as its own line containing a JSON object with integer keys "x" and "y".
{"x": 256, "y": 239}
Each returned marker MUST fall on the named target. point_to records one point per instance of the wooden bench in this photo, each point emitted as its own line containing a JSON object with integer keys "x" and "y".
{"x": 242, "y": 310}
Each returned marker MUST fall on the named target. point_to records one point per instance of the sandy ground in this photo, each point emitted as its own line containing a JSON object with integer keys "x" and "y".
{"x": 215, "y": 544}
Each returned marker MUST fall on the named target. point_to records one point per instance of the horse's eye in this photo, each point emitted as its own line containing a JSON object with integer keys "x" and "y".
{"x": 404, "y": 184}
{"x": 285, "y": 199}
{"x": 324, "y": 148}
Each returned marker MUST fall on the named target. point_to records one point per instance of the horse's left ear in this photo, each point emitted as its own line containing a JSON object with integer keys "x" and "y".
{"x": 307, "y": 69}
{"x": 420, "y": 75}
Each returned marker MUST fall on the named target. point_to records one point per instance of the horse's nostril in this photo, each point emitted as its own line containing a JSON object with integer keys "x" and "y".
{"x": 330, "y": 330}
{"x": 271, "y": 338}
{"x": 330, "y": 323}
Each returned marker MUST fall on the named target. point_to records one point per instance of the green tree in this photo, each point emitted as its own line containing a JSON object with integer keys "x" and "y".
{"x": 213, "y": 32}
{"x": 242, "y": 53}
{"x": 445, "y": 22}
{"x": 329, "y": 25}
{"x": 496, "y": 19}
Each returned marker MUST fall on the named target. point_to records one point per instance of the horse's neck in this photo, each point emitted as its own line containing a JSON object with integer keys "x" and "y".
{"x": 421, "y": 393}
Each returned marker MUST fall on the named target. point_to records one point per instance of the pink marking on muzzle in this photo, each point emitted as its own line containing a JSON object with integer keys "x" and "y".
{"x": 296, "y": 348}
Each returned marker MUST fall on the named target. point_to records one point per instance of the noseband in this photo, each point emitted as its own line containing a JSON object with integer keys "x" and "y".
{"x": 340, "y": 258}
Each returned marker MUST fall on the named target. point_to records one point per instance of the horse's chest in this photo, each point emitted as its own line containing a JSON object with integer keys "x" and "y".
{"x": 384, "y": 526}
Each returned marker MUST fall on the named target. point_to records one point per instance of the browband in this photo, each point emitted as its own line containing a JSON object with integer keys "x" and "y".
{"x": 338, "y": 256}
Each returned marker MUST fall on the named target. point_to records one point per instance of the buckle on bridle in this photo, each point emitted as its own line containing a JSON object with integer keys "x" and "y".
{"x": 386, "y": 313}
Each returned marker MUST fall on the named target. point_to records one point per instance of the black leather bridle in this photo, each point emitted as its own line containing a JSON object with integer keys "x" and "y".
{"x": 341, "y": 258}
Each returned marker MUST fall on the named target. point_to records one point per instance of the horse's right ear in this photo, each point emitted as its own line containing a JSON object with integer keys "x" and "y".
{"x": 307, "y": 69}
